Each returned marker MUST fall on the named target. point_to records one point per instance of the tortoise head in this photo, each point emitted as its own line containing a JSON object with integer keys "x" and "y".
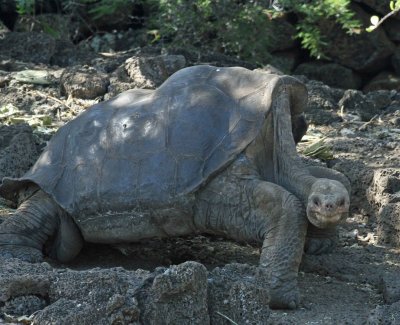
{"x": 328, "y": 203}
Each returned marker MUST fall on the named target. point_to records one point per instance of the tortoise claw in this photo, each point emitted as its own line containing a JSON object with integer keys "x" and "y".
{"x": 284, "y": 293}
{"x": 287, "y": 300}
{"x": 24, "y": 253}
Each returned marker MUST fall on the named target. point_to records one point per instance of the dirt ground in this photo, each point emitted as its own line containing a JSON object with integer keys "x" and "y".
{"x": 344, "y": 287}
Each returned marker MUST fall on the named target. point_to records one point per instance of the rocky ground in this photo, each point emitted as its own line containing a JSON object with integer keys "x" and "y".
{"x": 213, "y": 279}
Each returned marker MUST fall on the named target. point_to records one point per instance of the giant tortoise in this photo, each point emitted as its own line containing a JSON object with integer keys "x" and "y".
{"x": 210, "y": 151}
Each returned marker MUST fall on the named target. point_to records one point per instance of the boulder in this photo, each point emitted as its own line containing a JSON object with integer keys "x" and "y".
{"x": 28, "y": 47}
{"x": 358, "y": 173}
{"x": 152, "y": 71}
{"x": 332, "y": 74}
{"x": 174, "y": 295}
{"x": 284, "y": 60}
{"x": 384, "y": 80}
{"x": 384, "y": 194}
{"x": 236, "y": 293}
{"x": 396, "y": 60}
{"x": 392, "y": 28}
{"x": 390, "y": 288}
{"x": 83, "y": 82}
{"x": 323, "y": 101}
{"x": 177, "y": 295}
{"x": 68, "y": 54}
{"x": 385, "y": 314}
{"x": 19, "y": 150}
{"x": 366, "y": 106}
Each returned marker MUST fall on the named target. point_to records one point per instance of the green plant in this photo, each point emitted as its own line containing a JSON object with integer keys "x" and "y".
{"x": 104, "y": 8}
{"x": 376, "y": 21}
{"x": 238, "y": 28}
{"x": 243, "y": 28}
{"x": 25, "y": 7}
{"x": 311, "y": 14}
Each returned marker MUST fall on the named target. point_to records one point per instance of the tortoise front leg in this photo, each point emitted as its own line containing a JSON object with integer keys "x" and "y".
{"x": 259, "y": 211}
{"x": 37, "y": 220}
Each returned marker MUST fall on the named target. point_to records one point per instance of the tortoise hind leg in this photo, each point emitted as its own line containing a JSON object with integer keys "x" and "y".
{"x": 68, "y": 240}
{"x": 257, "y": 211}
{"x": 38, "y": 219}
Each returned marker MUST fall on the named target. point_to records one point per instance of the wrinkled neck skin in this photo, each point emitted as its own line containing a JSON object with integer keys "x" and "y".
{"x": 299, "y": 183}
{"x": 289, "y": 171}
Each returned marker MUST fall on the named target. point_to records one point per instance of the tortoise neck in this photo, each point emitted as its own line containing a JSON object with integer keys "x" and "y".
{"x": 289, "y": 170}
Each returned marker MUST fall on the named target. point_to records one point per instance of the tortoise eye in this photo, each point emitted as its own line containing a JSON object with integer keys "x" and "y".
{"x": 341, "y": 202}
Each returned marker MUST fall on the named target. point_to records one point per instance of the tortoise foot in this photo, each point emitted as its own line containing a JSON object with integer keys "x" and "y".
{"x": 284, "y": 300}
{"x": 318, "y": 246}
{"x": 24, "y": 253}
{"x": 284, "y": 293}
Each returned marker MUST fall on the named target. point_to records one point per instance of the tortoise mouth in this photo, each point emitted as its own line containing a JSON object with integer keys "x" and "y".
{"x": 323, "y": 221}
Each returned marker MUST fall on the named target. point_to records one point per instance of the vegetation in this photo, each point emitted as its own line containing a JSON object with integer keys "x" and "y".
{"x": 376, "y": 21}
{"x": 234, "y": 27}
{"x": 241, "y": 27}
{"x": 311, "y": 14}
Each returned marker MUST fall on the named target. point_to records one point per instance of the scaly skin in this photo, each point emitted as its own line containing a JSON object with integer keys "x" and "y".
{"x": 250, "y": 209}
{"x": 24, "y": 234}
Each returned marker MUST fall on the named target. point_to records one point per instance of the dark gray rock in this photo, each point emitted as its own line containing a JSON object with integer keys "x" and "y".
{"x": 396, "y": 60}
{"x": 384, "y": 80}
{"x": 174, "y": 295}
{"x": 332, "y": 74}
{"x": 364, "y": 52}
{"x": 19, "y": 149}
{"x": 152, "y": 71}
{"x": 239, "y": 293}
{"x": 24, "y": 279}
{"x": 97, "y": 296}
{"x": 23, "y": 305}
{"x": 177, "y": 295}
{"x": 384, "y": 194}
{"x": 391, "y": 288}
{"x": 359, "y": 175}
{"x": 385, "y": 315}
{"x": 322, "y": 103}
{"x": 366, "y": 106}
{"x": 181, "y": 294}
{"x": 285, "y": 60}
{"x": 82, "y": 82}
{"x": 28, "y": 47}
{"x": 392, "y": 28}
{"x": 67, "y": 54}
{"x": 380, "y": 98}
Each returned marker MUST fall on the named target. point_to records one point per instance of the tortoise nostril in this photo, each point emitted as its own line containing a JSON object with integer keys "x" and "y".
{"x": 329, "y": 206}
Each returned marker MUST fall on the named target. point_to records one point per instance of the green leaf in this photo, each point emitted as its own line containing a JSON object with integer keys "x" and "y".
{"x": 392, "y": 6}
{"x": 370, "y": 29}
{"x": 50, "y": 30}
